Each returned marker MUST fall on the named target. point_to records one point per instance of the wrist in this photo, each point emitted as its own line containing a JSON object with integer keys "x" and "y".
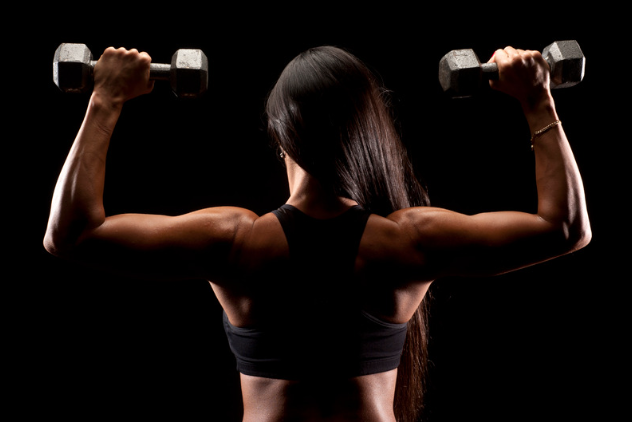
{"x": 540, "y": 113}
{"x": 104, "y": 111}
{"x": 105, "y": 101}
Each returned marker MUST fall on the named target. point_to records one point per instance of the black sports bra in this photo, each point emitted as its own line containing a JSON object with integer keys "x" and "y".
{"x": 332, "y": 335}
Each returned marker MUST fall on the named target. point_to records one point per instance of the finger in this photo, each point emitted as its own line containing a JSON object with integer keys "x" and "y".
{"x": 145, "y": 56}
{"x": 504, "y": 55}
{"x": 537, "y": 57}
{"x": 107, "y": 52}
{"x": 533, "y": 55}
{"x": 510, "y": 51}
{"x": 492, "y": 59}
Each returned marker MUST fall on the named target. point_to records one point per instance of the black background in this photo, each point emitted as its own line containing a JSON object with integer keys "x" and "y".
{"x": 541, "y": 342}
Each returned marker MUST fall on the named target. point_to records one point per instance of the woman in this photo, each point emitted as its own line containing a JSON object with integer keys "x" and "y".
{"x": 323, "y": 298}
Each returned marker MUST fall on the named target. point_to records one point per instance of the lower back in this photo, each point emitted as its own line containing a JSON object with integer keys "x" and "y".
{"x": 367, "y": 398}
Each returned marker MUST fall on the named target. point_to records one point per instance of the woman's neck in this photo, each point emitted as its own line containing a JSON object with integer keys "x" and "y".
{"x": 308, "y": 194}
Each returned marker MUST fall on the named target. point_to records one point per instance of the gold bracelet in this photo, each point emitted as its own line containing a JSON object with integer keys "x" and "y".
{"x": 541, "y": 131}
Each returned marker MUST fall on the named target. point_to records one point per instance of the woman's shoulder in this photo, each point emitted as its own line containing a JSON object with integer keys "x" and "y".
{"x": 392, "y": 243}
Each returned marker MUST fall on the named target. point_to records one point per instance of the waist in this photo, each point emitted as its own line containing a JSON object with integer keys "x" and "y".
{"x": 367, "y": 398}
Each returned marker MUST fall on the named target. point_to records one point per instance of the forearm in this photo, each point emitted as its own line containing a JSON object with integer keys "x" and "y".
{"x": 77, "y": 203}
{"x": 561, "y": 200}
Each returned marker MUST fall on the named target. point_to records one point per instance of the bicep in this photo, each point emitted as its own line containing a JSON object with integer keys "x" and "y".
{"x": 193, "y": 245}
{"x": 483, "y": 244}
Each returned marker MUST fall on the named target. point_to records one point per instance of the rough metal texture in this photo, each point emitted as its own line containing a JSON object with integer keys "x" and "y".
{"x": 189, "y": 73}
{"x": 567, "y": 63}
{"x": 72, "y": 70}
{"x": 460, "y": 73}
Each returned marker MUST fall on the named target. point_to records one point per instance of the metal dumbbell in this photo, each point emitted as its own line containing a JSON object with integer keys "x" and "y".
{"x": 461, "y": 73}
{"x": 188, "y": 72}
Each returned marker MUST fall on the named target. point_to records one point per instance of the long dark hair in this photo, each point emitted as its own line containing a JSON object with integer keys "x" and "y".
{"x": 330, "y": 113}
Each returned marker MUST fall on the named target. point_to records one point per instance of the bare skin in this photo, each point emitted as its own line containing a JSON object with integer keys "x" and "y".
{"x": 222, "y": 244}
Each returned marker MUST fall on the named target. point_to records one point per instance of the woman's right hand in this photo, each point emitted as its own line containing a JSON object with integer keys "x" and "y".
{"x": 523, "y": 74}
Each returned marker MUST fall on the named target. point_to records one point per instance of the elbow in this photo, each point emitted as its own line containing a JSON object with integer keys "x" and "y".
{"x": 566, "y": 229}
{"x": 52, "y": 246}
{"x": 67, "y": 240}
{"x": 576, "y": 235}
{"x": 581, "y": 237}
{"x": 56, "y": 245}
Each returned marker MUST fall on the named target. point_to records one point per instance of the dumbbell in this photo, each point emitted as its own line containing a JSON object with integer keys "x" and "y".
{"x": 188, "y": 71}
{"x": 461, "y": 73}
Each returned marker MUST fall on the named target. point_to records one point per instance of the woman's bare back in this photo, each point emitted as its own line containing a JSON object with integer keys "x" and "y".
{"x": 366, "y": 398}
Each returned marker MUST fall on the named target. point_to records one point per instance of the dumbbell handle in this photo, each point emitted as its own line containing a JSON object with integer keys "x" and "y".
{"x": 157, "y": 71}
{"x": 490, "y": 70}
